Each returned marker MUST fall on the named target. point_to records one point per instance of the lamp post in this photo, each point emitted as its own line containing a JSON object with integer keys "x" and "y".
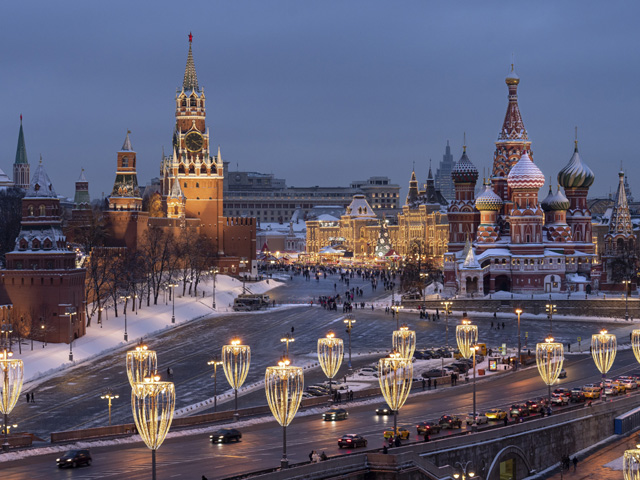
{"x": 126, "y": 299}
{"x": 626, "y": 298}
{"x": 549, "y": 358}
{"x": 173, "y": 301}
{"x": 447, "y": 310}
{"x": 288, "y": 338}
{"x": 395, "y": 374}
{"x": 465, "y": 472}
{"x": 603, "y": 350}
{"x": 215, "y": 362}
{"x": 631, "y": 464}
{"x": 70, "y": 312}
{"x": 7, "y": 329}
{"x": 518, "y": 312}
{"x": 404, "y": 341}
{"x": 153, "y": 403}
{"x": 350, "y": 321}
{"x": 109, "y": 396}
{"x": 283, "y": 387}
{"x": 550, "y": 309}
{"x": 214, "y": 272}
{"x": 467, "y": 339}
{"x": 330, "y": 354}
{"x": 396, "y": 309}
{"x": 236, "y": 359}
{"x": 12, "y": 376}
{"x": 141, "y": 363}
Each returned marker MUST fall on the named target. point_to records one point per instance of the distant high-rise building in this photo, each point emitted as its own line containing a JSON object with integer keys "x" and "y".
{"x": 444, "y": 183}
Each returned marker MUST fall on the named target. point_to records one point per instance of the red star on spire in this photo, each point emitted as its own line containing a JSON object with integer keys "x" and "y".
{"x": 190, "y": 37}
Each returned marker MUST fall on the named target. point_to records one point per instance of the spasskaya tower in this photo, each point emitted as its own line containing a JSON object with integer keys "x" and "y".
{"x": 199, "y": 174}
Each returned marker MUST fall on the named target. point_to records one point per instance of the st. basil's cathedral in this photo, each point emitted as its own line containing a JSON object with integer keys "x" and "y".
{"x": 506, "y": 240}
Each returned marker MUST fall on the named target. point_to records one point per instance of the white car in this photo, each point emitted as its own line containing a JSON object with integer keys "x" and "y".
{"x": 480, "y": 418}
{"x": 628, "y": 382}
{"x": 559, "y": 399}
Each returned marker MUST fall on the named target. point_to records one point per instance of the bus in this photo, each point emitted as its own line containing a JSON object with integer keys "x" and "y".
{"x": 248, "y": 302}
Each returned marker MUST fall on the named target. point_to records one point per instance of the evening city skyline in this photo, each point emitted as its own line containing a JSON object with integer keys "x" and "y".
{"x": 320, "y": 93}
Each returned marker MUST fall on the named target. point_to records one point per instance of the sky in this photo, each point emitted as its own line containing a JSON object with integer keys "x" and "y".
{"x": 320, "y": 92}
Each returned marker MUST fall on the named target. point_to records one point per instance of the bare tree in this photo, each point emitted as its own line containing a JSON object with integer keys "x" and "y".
{"x": 157, "y": 249}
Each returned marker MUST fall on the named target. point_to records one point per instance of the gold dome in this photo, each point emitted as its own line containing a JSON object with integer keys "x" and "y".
{"x": 512, "y": 78}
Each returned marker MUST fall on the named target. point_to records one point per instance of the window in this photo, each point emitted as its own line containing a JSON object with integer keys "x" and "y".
{"x": 30, "y": 210}
{"x": 125, "y": 162}
{"x": 43, "y": 210}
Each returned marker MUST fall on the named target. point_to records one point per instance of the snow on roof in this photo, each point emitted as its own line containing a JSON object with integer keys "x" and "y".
{"x": 325, "y": 217}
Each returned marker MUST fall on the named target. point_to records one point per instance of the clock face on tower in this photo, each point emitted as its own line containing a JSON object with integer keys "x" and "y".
{"x": 194, "y": 141}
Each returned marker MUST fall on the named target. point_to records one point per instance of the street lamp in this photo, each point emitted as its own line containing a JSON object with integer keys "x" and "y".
{"x": 626, "y": 298}
{"x": 465, "y": 472}
{"x": 396, "y": 309}
{"x": 12, "y": 376}
{"x": 603, "y": 350}
{"x": 214, "y": 272}
{"x": 288, "y": 338}
{"x": 447, "y": 310}
{"x": 549, "y": 358}
{"x": 173, "y": 301}
{"x": 283, "y": 387}
{"x": 467, "y": 339}
{"x": 141, "y": 363}
{"x": 349, "y": 321}
{"x": 635, "y": 343}
{"x": 550, "y": 309}
{"x": 7, "y": 329}
{"x": 153, "y": 403}
{"x": 215, "y": 362}
{"x": 330, "y": 353}
{"x": 70, "y": 312}
{"x": 404, "y": 341}
{"x": 518, "y": 312}
{"x": 236, "y": 359}
{"x": 631, "y": 464}
{"x": 125, "y": 298}
{"x": 109, "y": 395}
{"x": 395, "y": 374}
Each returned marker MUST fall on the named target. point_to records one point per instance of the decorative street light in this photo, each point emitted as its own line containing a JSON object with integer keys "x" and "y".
{"x": 396, "y": 309}
{"x": 603, "y": 350}
{"x": 330, "y": 354}
{"x": 125, "y": 298}
{"x": 395, "y": 374}
{"x": 549, "y": 357}
{"x": 288, "y": 338}
{"x": 70, "y": 312}
{"x": 404, "y": 341}
{"x": 12, "y": 376}
{"x": 214, "y": 272}
{"x": 631, "y": 464}
{"x": 447, "y": 310}
{"x": 464, "y": 468}
{"x": 153, "y": 403}
{"x": 236, "y": 359}
{"x": 467, "y": 338}
{"x": 350, "y": 321}
{"x": 635, "y": 343}
{"x": 7, "y": 329}
{"x": 626, "y": 298}
{"x": 109, "y": 395}
{"x": 518, "y": 312}
{"x": 141, "y": 363}
{"x": 215, "y": 362}
{"x": 173, "y": 301}
{"x": 283, "y": 387}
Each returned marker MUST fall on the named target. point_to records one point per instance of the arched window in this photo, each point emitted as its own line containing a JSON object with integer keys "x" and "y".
{"x": 197, "y": 185}
{"x": 43, "y": 210}
{"x": 30, "y": 210}
{"x": 192, "y": 168}
{"x": 181, "y": 168}
{"x": 23, "y": 244}
{"x": 193, "y": 102}
{"x": 125, "y": 162}
{"x": 203, "y": 170}
{"x": 47, "y": 244}
{"x": 184, "y": 103}
{"x": 36, "y": 244}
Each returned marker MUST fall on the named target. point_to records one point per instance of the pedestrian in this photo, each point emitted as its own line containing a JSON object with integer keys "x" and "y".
{"x": 33, "y": 400}
{"x": 311, "y": 455}
{"x": 575, "y": 463}
{"x": 426, "y": 436}
{"x": 398, "y": 443}
{"x": 27, "y": 397}
{"x": 506, "y": 421}
{"x": 385, "y": 450}
{"x": 424, "y": 384}
{"x": 323, "y": 456}
{"x": 429, "y": 383}
{"x": 503, "y": 325}
{"x": 435, "y": 383}
{"x": 391, "y": 441}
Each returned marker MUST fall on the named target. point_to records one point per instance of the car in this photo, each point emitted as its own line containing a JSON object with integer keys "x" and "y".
{"x": 480, "y": 418}
{"x": 450, "y": 421}
{"x": 534, "y": 406}
{"x": 335, "y": 414}
{"x": 434, "y": 372}
{"x": 591, "y": 391}
{"x": 517, "y": 410}
{"x": 559, "y": 399}
{"x": 462, "y": 367}
{"x": 225, "y": 435}
{"x": 367, "y": 371}
{"x": 74, "y": 458}
{"x": 577, "y": 395}
{"x": 562, "y": 391}
{"x": 352, "y": 440}
{"x": 402, "y": 432}
{"x": 384, "y": 410}
{"x": 628, "y": 382}
{"x": 496, "y": 414}
{"x": 428, "y": 427}
{"x": 611, "y": 389}
{"x": 562, "y": 374}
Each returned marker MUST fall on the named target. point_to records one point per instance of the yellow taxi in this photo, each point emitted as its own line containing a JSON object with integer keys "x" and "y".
{"x": 402, "y": 432}
{"x": 496, "y": 414}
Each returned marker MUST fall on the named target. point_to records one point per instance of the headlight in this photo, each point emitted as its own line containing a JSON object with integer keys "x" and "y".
{"x": 68, "y": 459}
{"x": 221, "y": 437}
{"x": 57, "y": 459}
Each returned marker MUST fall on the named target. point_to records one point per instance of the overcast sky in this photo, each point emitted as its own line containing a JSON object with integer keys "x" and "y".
{"x": 320, "y": 92}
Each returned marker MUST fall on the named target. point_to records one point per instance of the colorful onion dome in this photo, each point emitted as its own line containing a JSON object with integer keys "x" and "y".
{"x": 576, "y": 174}
{"x": 488, "y": 200}
{"x": 555, "y": 202}
{"x": 512, "y": 78}
{"x": 464, "y": 171}
{"x": 525, "y": 174}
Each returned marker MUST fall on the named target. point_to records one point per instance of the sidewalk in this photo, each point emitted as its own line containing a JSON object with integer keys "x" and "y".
{"x": 604, "y": 464}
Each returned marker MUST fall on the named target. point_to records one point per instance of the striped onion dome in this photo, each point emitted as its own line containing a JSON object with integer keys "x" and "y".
{"x": 464, "y": 171}
{"x": 488, "y": 200}
{"x": 576, "y": 174}
{"x": 525, "y": 174}
{"x": 555, "y": 202}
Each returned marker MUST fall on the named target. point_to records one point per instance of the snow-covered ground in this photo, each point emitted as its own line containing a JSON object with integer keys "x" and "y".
{"x": 100, "y": 339}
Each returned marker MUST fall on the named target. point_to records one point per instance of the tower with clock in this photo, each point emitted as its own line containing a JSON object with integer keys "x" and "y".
{"x": 199, "y": 174}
